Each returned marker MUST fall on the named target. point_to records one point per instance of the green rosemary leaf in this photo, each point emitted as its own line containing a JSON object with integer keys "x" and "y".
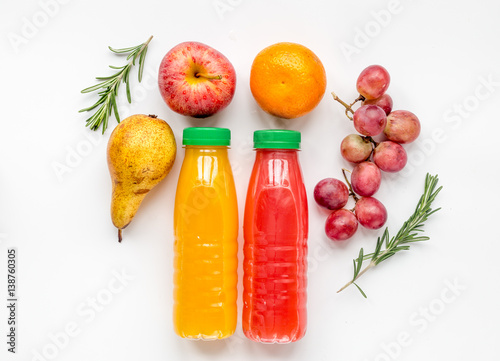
{"x": 360, "y": 261}
{"x": 96, "y": 87}
{"x": 379, "y": 244}
{"x": 384, "y": 256}
{"x": 95, "y": 105}
{"x": 368, "y": 256}
{"x": 434, "y": 210}
{"x": 415, "y": 239}
{"x": 141, "y": 64}
{"x": 387, "y": 240}
{"x": 129, "y": 97}
{"x": 104, "y": 124}
{"x": 360, "y": 290}
{"x": 401, "y": 248}
{"x": 106, "y": 77}
{"x": 115, "y": 107}
{"x": 123, "y": 50}
{"x": 133, "y": 55}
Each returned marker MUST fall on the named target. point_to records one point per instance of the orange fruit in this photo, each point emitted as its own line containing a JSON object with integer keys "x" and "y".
{"x": 287, "y": 80}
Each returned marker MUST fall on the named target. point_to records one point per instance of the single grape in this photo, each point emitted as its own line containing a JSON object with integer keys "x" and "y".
{"x": 385, "y": 102}
{"x": 331, "y": 193}
{"x": 365, "y": 179}
{"x": 402, "y": 127}
{"x": 341, "y": 225}
{"x": 370, "y": 212}
{"x": 354, "y": 148}
{"x": 373, "y": 82}
{"x": 369, "y": 120}
{"x": 390, "y": 156}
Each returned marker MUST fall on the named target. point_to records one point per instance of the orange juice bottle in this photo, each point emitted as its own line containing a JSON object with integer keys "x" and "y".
{"x": 206, "y": 231}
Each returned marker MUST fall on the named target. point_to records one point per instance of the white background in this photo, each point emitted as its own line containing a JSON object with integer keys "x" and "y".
{"x": 436, "y": 302}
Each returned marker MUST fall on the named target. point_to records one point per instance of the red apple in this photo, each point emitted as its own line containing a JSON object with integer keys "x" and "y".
{"x": 196, "y": 80}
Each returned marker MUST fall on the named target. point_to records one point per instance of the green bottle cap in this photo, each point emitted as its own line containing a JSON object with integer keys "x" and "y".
{"x": 276, "y": 139}
{"x": 206, "y": 136}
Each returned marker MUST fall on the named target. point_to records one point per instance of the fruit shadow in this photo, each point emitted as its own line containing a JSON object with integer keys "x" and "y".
{"x": 211, "y": 121}
{"x": 272, "y": 350}
{"x": 269, "y": 121}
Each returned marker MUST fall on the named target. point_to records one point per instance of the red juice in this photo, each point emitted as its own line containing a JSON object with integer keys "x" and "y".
{"x": 275, "y": 249}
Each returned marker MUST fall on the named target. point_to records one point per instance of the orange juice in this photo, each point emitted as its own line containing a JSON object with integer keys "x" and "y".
{"x": 206, "y": 231}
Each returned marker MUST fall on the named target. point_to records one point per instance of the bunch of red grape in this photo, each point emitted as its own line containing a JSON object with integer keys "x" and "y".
{"x": 373, "y": 118}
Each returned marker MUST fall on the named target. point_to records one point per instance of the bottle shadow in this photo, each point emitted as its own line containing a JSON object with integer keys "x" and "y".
{"x": 211, "y": 348}
{"x": 273, "y": 350}
{"x": 238, "y": 344}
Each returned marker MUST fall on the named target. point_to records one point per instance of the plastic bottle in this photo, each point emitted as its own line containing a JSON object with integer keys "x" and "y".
{"x": 275, "y": 249}
{"x": 206, "y": 231}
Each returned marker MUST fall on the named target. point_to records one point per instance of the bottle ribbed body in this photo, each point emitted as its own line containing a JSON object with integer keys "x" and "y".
{"x": 275, "y": 249}
{"x": 205, "y": 249}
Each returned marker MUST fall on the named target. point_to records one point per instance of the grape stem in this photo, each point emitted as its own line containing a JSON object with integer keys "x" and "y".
{"x": 374, "y": 143}
{"x": 351, "y": 192}
{"x": 348, "y": 108}
{"x": 358, "y": 99}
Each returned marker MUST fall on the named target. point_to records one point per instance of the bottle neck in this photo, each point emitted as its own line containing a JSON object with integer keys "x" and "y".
{"x": 205, "y": 149}
{"x": 266, "y": 153}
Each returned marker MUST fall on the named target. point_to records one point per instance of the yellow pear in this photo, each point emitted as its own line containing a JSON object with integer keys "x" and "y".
{"x": 141, "y": 151}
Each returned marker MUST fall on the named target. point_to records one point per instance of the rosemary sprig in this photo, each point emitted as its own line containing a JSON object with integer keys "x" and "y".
{"x": 409, "y": 233}
{"x": 108, "y": 87}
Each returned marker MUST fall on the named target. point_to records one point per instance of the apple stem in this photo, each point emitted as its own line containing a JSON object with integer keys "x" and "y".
{"x": 208, "y": 76}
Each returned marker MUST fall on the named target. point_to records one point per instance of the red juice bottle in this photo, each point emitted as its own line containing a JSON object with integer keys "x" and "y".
{"x": 275, "y": 248}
